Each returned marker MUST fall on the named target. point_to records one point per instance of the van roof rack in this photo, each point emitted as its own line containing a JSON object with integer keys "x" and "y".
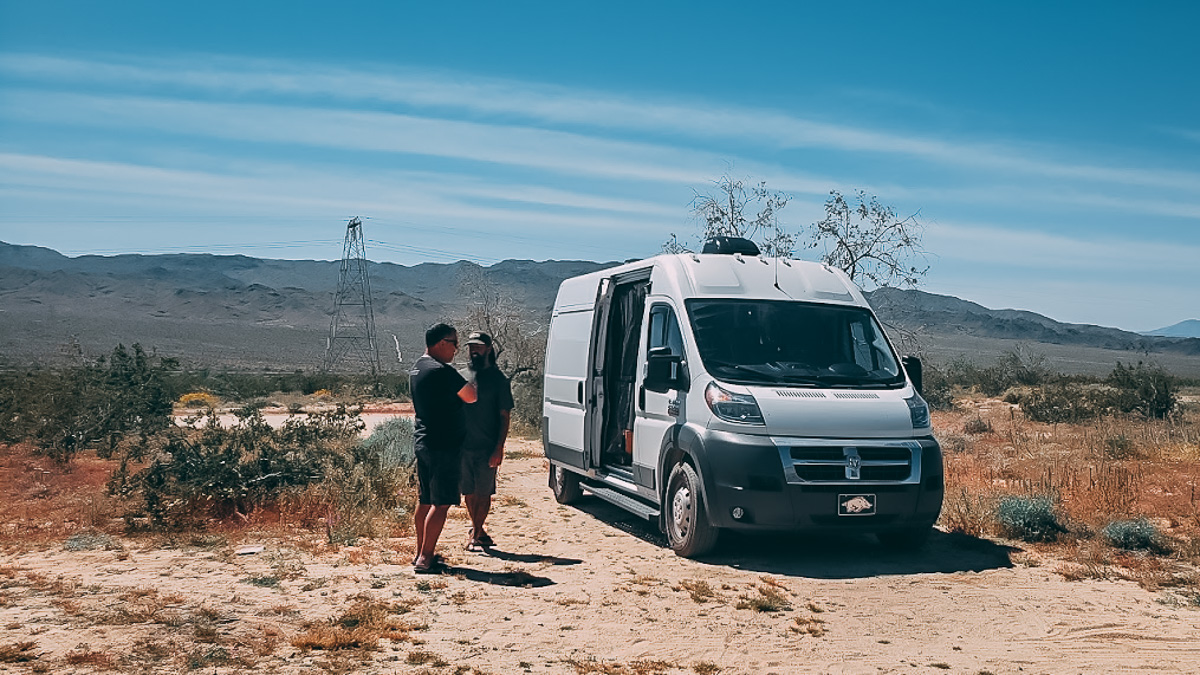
{"x": 729, "y": 246}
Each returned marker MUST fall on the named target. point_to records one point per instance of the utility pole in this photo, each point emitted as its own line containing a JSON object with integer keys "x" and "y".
{"x": 352, "y": 328}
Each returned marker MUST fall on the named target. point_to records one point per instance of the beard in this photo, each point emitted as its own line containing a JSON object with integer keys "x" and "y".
{"x": 480, "y": 362}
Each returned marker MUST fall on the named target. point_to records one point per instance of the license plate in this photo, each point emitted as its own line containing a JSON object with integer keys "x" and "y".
{"x": 856, "y": 505}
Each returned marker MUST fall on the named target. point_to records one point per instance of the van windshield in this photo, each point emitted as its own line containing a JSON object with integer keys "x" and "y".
{"x": 797, "y": 343}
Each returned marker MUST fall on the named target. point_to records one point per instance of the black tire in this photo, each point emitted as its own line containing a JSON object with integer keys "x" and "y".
{"x": 565, "y": 485}
{"x": 909, "y": 539}
{"x": 688, "y": 529}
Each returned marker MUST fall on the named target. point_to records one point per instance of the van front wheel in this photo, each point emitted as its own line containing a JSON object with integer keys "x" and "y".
{"x": 688, "y": 529}
{"x": 565, "y": 485}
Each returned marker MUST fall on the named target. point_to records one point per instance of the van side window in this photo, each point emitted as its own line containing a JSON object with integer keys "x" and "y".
{"x": 664, "y": 330}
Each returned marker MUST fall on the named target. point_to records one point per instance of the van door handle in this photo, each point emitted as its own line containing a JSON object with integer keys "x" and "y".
{"x": 579, "y": 393}
{"x": 642, "y": 397}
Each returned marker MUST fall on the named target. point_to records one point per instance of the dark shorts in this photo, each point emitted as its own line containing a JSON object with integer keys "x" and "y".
{"x": 437, "y": 477}
{"x": 477, "y": 477}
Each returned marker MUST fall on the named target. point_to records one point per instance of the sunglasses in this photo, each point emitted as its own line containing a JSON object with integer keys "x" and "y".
{"x": 453, "y": 342}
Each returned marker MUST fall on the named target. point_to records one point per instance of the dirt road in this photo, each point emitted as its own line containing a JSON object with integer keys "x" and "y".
{"x": 587, "y": 589}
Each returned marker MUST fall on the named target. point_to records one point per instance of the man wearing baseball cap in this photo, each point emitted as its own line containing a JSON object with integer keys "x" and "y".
{"x": 486, "y": 421}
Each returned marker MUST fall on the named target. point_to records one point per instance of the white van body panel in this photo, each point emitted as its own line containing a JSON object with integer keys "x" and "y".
{"x": 798, "y": 420}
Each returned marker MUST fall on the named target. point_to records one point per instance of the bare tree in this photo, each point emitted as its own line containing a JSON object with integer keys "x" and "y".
{"x": 869, "y": 243}
{"x": 520, "y": 338}
{"x": 725, "y": 213}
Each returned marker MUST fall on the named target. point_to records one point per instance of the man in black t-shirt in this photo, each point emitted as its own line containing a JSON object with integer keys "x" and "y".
{"x": 438, "y": 393}
{"x": 486, "y": 423}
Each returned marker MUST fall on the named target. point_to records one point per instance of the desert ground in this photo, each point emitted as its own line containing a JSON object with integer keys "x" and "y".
{"x": 578, "y": 589}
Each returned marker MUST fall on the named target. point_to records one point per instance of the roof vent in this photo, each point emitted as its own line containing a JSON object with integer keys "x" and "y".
{"x": 729, "y": 246}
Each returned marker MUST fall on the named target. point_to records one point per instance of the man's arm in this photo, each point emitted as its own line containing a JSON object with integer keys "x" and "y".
{"x": 498, "y": 455}
{"x": 468, "y": 394}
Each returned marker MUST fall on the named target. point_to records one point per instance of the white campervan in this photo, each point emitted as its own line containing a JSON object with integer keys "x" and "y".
{"x": 728, "y": 390}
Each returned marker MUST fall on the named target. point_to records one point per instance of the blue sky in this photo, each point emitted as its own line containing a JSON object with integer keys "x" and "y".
{"x": 1052, "y": 150}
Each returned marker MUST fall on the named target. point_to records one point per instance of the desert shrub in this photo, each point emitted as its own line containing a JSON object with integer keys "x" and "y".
{"x": 976, "y": 425}
{"x": 210, "y": 470}
{"x": 1062, "y": 402}
{"x": 392, "y": 442}
{"x": 1029, "y": 518}
{"x": 936, "y": 388}
{"x": 1135, "y": 535}
{"x": 1143, "y": 389}
{"x": 94, "y": 405}
{"x": 198, "y": 399}
{"x": 1118, "y": 446}
{"x": 966, "y": 512}
{"x": 527, "y": 402}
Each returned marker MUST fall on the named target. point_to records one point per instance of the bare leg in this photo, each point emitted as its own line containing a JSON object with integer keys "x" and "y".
{"x": 419, "y": 517}
{"x": 483, "y": 505}
{"x": 469, "y": 504}
{"x": 434, "y": 522}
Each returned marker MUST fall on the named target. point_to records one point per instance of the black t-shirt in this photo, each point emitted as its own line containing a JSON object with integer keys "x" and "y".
{"x": 435, "y": 386}
{"x": 483, "y": 416}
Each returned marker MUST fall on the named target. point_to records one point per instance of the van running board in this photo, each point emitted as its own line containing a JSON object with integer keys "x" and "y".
{"x": 623, "y": 500}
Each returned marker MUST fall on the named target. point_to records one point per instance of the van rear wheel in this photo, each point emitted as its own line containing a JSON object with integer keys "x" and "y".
{"x": 565, "y": 485}
{"x": 688, "y": 529}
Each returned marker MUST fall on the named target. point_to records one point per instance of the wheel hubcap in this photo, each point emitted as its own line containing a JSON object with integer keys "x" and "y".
{"x": 681, "y": 506}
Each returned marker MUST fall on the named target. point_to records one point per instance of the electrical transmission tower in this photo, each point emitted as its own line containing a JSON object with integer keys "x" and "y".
{"x": 352, "y": 328}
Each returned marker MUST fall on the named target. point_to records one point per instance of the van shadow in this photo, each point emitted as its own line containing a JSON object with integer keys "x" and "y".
{"x": 823, "y": 556}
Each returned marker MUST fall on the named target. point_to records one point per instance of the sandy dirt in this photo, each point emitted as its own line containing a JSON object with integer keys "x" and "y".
{"x": 581, "y": 589}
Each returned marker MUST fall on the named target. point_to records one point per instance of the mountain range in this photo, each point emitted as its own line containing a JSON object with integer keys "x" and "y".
{"x": 1186, "y": 329}
{"x": 233, "y": 311}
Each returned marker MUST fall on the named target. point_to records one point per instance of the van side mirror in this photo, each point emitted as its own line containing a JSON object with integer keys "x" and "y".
{"x": 912, "y": 365}
{"x": 664, "y": 371}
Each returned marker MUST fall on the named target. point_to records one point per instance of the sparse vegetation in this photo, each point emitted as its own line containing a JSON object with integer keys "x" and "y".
{"x": 1135, "y": 535}
{"x": 1029, "y": 518}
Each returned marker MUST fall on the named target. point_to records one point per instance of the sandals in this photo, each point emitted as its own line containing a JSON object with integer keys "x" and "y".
{"x": 475, "y": 546}
{"x": 485, "y": 541}
{"x": 435, "y": 567}
{"x": 437, "y": 558}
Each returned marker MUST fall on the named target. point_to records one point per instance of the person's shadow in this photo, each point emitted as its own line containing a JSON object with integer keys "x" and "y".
{"x": 822, "y": 556}
{"x": 529, "y": 557}
{"x": 517, "y": 578}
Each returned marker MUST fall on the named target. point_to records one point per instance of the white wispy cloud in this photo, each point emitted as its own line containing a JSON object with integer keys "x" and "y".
{"x": 555, "y": 105}
{"x": 1026, "y": 248}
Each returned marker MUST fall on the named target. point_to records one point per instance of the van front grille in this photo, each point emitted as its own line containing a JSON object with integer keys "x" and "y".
{"x": 831, "y": 462}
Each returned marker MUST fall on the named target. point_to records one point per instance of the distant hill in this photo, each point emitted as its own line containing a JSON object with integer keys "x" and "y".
{"x": 1184, "y": 329}
{"x": 242, "y": 312}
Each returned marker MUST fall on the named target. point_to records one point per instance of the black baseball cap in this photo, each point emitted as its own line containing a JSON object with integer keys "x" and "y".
{"x": 479, "y": 338}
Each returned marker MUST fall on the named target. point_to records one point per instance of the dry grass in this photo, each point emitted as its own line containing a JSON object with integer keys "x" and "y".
{"x": 767, "y": 596}
{"x": 700, "y": 591}
{"x": 1108, "y": 469}
{"x": 83, "y": 655}
{"x": 18, "y": 652}
{"x": 808, "y": 625}
{"x": 639, "y": 667}
{"x": 366, "y": 621}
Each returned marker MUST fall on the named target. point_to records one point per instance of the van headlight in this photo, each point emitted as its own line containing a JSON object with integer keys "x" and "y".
{"x": 918, "y": 410}
{"x": 731, "y": 407}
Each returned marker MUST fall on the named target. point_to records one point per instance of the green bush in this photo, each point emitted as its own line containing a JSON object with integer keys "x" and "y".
{"x": 90, "y": 406}
{"x": 936, "y": 388}
{"x": 527, "y": 402}
{"x": 1062, "y": 402}
{"x": 392, "y": 442}
{"x": 209, "y": 470}
{"x": 1143, "y": 389}
{"x": 1135, "y": 535}
{"x": 1029, "y": 518}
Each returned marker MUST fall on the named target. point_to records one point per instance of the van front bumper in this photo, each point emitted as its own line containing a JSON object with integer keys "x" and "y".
{"x": 771, "y": 483}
